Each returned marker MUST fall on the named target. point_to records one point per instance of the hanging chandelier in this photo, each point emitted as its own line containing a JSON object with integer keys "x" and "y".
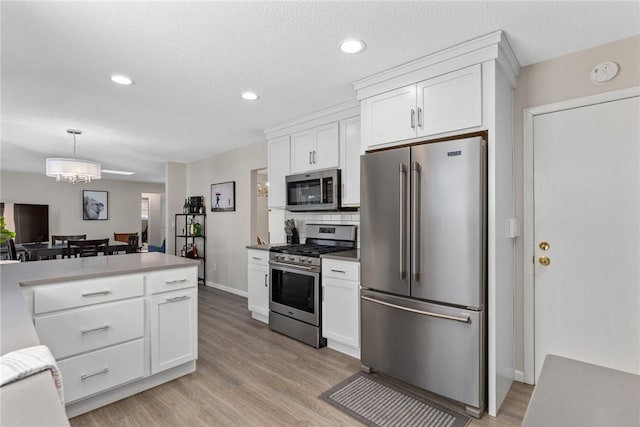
{"x": 73, "y": 170}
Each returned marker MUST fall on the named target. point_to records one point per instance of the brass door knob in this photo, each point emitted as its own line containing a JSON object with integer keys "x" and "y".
{"x": 544, "y": 260}
{"x": 544, "y": 246}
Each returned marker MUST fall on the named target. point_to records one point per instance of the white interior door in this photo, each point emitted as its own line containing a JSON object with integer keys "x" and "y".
{"x": 587, "y": 208}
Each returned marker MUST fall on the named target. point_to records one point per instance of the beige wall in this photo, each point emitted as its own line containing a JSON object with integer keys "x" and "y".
{"x": 228, "y": 233}
{"x": 557, "y": 80}
{"x": 65, "y": 202}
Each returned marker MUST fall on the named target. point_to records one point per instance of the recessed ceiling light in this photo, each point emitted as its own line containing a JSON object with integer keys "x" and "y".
{"x": 352, "y": 46}
{"x": 117, "y": 172}
{"x": 121, "y": 79}
{"x": 250, "y": 96}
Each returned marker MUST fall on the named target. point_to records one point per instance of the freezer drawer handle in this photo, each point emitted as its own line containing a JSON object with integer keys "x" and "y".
{"x": 464, "y": 319}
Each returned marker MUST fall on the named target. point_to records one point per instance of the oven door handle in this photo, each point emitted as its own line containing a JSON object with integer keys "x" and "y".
{"x": 294, "y": 266}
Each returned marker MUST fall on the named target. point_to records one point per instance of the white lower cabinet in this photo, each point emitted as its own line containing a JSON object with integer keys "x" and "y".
{"x": 341, "y": 305}
{"x": 258, "y": 284}
{"x": 112, "y": 333}
{"x": 174, "y": 323}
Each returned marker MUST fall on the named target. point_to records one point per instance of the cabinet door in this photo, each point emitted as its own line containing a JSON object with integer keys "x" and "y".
{"x": 350, "y": 161}
{"x": 279, "y": 153}
{"x": 327, "y": 149}
{"x": 302, "y": 148}
{"x": 258, "y": 290}
{"x": 387, "y": 117}
{"x": 450, "y": 102}
{"x": 341, "y": 311}
{"x": 174, "y": 329}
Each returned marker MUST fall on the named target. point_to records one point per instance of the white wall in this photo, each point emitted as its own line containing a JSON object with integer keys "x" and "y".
{"x": 552, "y": 81}
{"x": 228, "y": 233}
{"x": 175, "y": 193}
{"x": 65, "y": 202}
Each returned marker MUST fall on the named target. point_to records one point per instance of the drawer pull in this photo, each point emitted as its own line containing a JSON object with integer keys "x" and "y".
{"x": 101, "y": 328}
{"x": 85, "y": 376}
{"x": 93, "y": 294}
{"x": 180, "y": 298}
{"x": 175, "y": 282}
{"x": 256, "y": 258}
{"x": 339, "y": 271}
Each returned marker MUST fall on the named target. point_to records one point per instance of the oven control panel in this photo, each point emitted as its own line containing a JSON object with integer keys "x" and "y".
{"x": 295, "y": 259}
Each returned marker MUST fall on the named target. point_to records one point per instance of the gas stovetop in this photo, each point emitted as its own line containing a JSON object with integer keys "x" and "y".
{"x": 309, "y": 250}
{"x": 321, "y": 239}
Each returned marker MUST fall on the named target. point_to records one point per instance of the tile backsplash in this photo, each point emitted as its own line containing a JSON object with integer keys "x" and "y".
{"x": 303, "y": 218}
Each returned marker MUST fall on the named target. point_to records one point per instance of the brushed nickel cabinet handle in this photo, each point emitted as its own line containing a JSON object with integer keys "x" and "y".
{"x": 419, "y": 117}
{"x": 339, "y": 271}
{"x": 174, "y": 282}
{"x": 180, "y": 298}
{"x": 266, "y": 280}
{"x": 413, "y": 118}
{"x": 85, "y": 376}
{"x": 101, "y": 328}
{"x": 93, "y": 294}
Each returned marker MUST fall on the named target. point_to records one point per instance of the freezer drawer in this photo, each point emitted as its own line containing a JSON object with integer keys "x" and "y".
{"x": 441, "y": 352}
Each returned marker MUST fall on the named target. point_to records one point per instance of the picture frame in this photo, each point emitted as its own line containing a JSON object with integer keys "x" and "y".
{"x": 223, "y": 197}
{"x": 95, "y": 205}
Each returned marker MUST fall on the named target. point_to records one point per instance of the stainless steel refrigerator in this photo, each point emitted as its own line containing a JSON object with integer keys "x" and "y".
{"x": 423, "y": 258}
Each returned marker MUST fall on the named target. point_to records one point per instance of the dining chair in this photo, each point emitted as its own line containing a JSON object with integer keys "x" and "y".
{"x": 62, "y": 239}
{"x": 13, "y": 253}
{"x": 133, "y": 243}
{"x": 123, "y": 237}
{"x": 87, "y": 248}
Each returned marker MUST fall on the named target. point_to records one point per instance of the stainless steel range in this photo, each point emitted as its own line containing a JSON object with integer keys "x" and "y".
{"x": 296, "y": 281}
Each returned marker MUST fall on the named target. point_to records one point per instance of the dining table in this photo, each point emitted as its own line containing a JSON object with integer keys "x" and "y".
{"x": 35, "y": 251}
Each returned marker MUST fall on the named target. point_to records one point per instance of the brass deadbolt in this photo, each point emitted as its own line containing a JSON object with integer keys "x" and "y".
{"x": 544, "y": 246}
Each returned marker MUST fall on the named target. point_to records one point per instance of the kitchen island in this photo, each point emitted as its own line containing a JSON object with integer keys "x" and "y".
{"x": 129, "y": 298}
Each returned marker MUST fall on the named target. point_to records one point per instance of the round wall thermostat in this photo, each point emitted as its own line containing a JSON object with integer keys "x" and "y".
{"x": 604, "y": 72}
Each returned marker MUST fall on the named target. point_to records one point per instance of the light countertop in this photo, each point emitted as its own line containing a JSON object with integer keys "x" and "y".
{"x": 352, "y": 255}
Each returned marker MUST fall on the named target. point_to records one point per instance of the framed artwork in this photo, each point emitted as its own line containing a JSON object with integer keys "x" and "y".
{"x": 95, "y": 205}
{"x": 223, "y": 197}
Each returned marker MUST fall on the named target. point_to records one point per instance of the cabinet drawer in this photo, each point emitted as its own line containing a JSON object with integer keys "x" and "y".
{"x": 102, "y": 369}
{"x": 90, "y": 328}
{"x": 171, "y": 280}
{"x": 347, "y": 270}
{"x": 86, "y": 292}
{"x": 257, "y": 256}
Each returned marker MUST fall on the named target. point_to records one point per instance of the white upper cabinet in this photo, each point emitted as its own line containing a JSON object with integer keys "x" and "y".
{"x": 316, "y": 148}
{"x": 279, "y": 152}
{"x": 447, "y": 103}
{"x": 450, "y": 102}
{"x": 350, "y": 161}
{"x": 388, "y": 117}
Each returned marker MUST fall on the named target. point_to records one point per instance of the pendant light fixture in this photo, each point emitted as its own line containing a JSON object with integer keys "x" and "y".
{"x": 73, "y": 170}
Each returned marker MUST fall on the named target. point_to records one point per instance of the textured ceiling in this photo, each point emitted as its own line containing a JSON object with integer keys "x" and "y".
{"x": 191, "y": 60}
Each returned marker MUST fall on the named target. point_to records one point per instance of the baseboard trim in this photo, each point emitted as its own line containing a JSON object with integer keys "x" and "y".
{"x": 227, "y": 289}
{"x": 518, "y": 376}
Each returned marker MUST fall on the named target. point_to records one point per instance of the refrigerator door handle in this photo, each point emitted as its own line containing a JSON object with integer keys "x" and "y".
{"x": 403, "y": 229}
{"x": 463, "y": 319}
{"x": 415, "y": 222}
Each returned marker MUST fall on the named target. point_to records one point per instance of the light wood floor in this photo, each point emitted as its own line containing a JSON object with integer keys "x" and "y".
{"x": 249, "y": 375}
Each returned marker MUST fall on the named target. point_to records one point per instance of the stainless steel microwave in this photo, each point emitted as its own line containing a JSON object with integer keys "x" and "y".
{"x": 314, "y": 191}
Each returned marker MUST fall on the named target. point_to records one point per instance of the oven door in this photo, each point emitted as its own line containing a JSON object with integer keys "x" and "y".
{"x": 295, "y": 292}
